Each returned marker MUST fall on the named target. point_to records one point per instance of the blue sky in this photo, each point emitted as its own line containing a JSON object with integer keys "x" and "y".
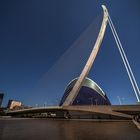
{"x": 34, "y": 34}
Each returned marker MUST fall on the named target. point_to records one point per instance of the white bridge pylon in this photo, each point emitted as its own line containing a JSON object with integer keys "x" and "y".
{"x": 75, "y": 90}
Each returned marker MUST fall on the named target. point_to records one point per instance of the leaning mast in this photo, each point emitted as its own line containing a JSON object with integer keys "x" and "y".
{"x": 75, "y": 90}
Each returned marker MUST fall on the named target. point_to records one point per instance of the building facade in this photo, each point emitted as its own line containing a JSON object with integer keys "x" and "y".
{"x": 12, "y": 104}
{"x": 89, "y": 94}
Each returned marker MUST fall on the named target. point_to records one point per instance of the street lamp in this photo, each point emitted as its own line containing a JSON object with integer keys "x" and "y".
{"x": 77, "y": 101}
{"x": 36, "y": 105}
{"x": 91, "y": 99}
{"x": 45, "y": 104}
{"x": 119, "y": 100}
{"x": 96, "y": 100}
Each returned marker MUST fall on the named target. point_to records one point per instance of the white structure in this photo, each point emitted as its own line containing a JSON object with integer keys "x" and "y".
{"x": 106, "y": 18}
{"x": 69, "y": 100}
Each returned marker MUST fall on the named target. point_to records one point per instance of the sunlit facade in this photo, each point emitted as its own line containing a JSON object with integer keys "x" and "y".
{"x": 12, "y": 104}
{"x": 89, "y": 94}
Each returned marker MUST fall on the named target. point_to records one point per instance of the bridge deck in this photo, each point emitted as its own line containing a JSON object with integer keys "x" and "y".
{"x": 114, "y": 110}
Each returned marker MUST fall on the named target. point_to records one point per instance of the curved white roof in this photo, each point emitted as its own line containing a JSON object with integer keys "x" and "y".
{"x": 91, "y": 84}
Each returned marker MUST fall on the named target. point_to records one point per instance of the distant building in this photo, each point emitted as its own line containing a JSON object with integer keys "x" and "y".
{"x": 89, "y": 94}
{"x": 12, "y": 104}
{"x": 1, "y": 98}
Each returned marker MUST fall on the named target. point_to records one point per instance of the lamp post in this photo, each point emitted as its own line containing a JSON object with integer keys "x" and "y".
{"x": 91, "y": 100}
{"x": 119, "y": 100}
{"x": 77, "y": 101}
{"x": 35, "y": 105}
{"x": 45, "y": 104}
{"x": 96, "y": 101}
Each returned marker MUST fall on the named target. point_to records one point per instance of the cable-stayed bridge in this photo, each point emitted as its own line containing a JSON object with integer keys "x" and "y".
{"x": 110, "y": 112}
